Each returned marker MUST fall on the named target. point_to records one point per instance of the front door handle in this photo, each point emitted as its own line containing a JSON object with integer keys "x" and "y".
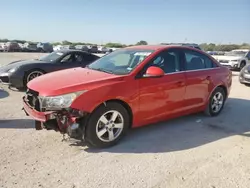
{"x": 208, "y": 77}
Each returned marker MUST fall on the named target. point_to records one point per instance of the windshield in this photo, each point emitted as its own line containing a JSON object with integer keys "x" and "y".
{"x": 236, "y": 53}
{"x": 51, "y": 57}
{"x": 121, "y": 61}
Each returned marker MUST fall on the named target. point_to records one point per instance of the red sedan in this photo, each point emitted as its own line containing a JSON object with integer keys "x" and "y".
{"x": 130, "y": 87}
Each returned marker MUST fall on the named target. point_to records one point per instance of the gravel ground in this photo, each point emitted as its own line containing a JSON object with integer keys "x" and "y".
{"x": 193, "y": 151}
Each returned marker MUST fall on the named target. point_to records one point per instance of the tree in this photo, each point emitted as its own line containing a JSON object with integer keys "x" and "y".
{"x": 65, "y": 42}
{"x": 142, "y": 42}
{"x": 115, "y": 45}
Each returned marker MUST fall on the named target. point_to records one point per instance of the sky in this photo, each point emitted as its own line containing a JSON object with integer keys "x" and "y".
{"x": 127, "y": 21}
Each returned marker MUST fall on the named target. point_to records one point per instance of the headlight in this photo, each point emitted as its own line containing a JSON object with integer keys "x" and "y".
{"x": 60, "y": 101}
{"x": 235, "y": 60}
{"x": 12, "y": 70}
{"x": 246, "y": 71}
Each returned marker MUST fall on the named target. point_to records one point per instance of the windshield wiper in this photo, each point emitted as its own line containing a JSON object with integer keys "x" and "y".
{"x": 103, "y": 70}
{"x": 100, "y": 69}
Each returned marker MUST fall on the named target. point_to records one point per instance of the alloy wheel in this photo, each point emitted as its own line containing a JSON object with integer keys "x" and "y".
{"x": 217, "y": 102}
{"x": 33, "y": 75}
{"x": 110, "y": 126}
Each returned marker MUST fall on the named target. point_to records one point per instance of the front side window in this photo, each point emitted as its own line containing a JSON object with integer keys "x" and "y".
{"x": 168, "y": 61}
{"x": 121, "y": 61}
{"x": 71, "y": 58}
{"x": 51, "y": 57}
{"x": 196, "y": 61}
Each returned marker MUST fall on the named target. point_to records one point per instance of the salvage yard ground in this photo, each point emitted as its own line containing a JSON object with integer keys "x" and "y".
{"x": 193, "y": 151}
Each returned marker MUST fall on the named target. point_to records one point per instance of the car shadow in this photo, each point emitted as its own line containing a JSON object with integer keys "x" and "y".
{"x": 186, "y": 132}
{"x": 17, "y": 124}
{"x": 3, "y": 93}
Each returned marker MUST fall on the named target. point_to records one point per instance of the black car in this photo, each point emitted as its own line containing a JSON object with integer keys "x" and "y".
{"x": 17, "y": 74}
{"x": 244, "y": 76}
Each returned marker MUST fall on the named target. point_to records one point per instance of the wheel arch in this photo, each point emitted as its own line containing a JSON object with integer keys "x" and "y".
{"x": 221, "y": 85}
{"x": 26, "y": 72}
{"x": 124, "y": 104}
{"x": 224, "y": 89}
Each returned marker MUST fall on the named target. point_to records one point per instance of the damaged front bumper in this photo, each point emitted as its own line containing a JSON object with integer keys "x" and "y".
{"x": 66, "y": 122}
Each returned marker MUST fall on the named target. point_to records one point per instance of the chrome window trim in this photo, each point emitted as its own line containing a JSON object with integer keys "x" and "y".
{"x": 186, "y": 71}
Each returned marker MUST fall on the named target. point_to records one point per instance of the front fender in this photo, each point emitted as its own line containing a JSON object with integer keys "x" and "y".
{"x": 125, "y": 91}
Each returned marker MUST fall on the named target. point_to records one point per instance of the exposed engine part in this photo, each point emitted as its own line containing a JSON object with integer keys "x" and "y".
{"x": 51, "y": 125}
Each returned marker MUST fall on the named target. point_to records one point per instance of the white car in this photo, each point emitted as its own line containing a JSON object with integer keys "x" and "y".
{"x": 235, "y": 59}
{"x": 102, "y": 49}
{"x": 2, "y": 47}
{"x": 58, "y": 47}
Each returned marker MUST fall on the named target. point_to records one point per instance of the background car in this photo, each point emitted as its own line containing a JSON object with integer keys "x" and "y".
{"x": 44, "y": 47}
{"x": 12, "y": 47}
{"x": 235, "y": 59}
{"x": 93, "y": 49}
{"x": 2, "y": 47}
{"x": 244, "y": 76}
{"x": 17, "y": 74}
{"x": 102, "y": 49}
{"x": 58, "y": 47}
{"x": 69, "y": 47}
{"x": 147, "y": 85}
{"x": 82, "y": 47}
{"x": 29, "y": 47}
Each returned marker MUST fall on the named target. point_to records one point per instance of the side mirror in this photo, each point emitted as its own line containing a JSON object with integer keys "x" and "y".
{"x": 154, "y": 72}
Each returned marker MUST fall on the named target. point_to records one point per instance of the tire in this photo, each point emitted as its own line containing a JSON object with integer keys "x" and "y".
{"x": 28, "y": 74}
{"x": 40, "y": 50}
{"x": 242, "y": 65}
{"x": 95, "y": 124}
{"x": 210, "y": 109}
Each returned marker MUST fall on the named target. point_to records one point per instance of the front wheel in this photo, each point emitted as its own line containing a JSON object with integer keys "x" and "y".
{"x": 107, "y": 125}
{"x": 216, "y": 102}
{"x": 30, "y": 75}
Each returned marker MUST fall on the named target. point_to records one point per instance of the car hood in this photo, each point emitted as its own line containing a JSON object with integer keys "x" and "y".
{"x": 19, "y": 63}
{"x": 224, "y": 57}
{"x": 71, "y": 80}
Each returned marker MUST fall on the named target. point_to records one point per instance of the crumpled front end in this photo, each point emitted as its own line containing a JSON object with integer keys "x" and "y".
{"x": 66, "y": 121}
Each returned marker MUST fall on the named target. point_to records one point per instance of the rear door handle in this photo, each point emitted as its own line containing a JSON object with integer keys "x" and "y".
{"x": 179, "y": 82}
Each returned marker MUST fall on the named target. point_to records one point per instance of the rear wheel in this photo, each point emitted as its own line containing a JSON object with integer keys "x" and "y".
{"x": 107, "y": 125}
{"x": 216, "y": 102}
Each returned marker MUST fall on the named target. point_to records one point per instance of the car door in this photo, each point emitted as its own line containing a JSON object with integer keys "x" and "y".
{"x": 199, "y": 71}
{"x": 159, "y": 97}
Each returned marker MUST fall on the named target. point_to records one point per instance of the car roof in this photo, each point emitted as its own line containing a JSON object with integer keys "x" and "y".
{"x": 158, "y": 47}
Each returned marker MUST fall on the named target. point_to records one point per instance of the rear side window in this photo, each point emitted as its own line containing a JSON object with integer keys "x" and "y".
{"x": 89, "y": 57}
{"x": 196, "y": 61}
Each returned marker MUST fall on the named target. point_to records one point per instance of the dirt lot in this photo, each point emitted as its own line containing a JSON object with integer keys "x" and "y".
{"x": 193, "y": 151}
